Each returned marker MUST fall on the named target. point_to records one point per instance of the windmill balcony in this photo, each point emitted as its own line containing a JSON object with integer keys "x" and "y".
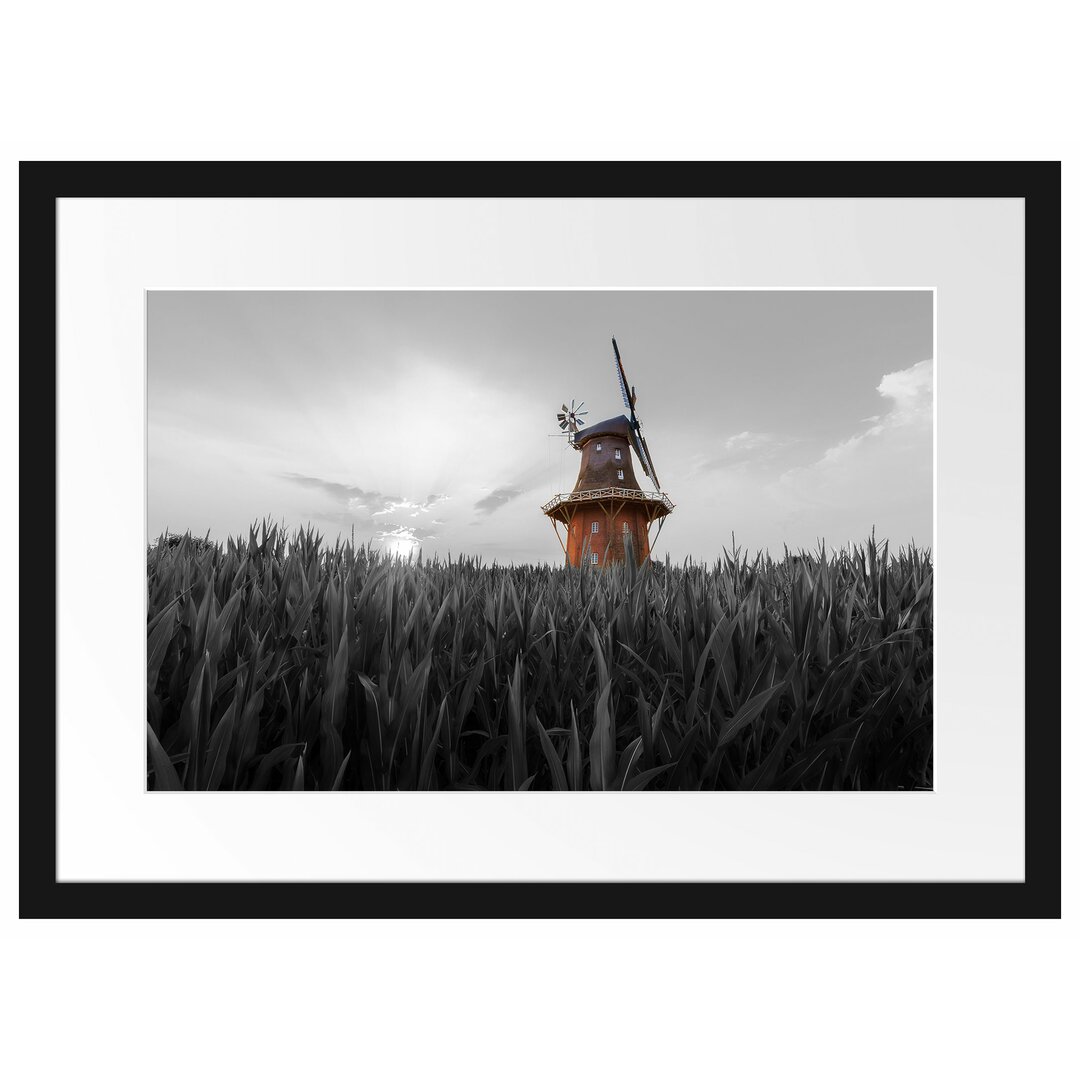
{"x": 659, "y": 502}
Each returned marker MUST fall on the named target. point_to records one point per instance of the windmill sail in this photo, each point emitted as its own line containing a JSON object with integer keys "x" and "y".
{"x": 640, "y": 451}
{"x": 641, "y": 448}
{"x": 624, "y": 388}
{"x": 629, "y": 396}
{"x": 650, "y": 469}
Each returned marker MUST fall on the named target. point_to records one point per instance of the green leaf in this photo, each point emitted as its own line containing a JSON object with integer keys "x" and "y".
{"x": 558, "y": 776}
{"x": 641, "y": 779}
{"x": 626, "y": 762}
{"x": 749, "y": 712}
{"x": 518, "y": 766}
{"x": 165, "y": 778}
{"x": 218, "y": 750}
{"x": 574, "y": 760}
{"x": 336, "y": 785}
{"x": 602, "y": 744}
{"x": 159, "y": 634}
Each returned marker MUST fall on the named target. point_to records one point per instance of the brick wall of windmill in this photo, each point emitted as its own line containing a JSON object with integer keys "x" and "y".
{"x": 606, "y": 461}
{"x": 607, "y": 541}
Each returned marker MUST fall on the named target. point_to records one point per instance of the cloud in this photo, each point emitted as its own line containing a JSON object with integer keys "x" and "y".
{"x": 393, "y": 506}
{"x": 499, "y": 497}
{"x": 881, "y": 476}
{"x": 910, "y": 391}
{"x": 398, "y": 536}
{"x": 355, "y": 498}
{"x": 910, "y": 394}
{"x": 742, "y": 451}
{"x": 749, "y": 440}
{"x": 358, "y": 502}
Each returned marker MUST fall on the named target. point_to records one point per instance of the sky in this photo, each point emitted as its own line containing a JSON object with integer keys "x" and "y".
{"x": 426, "y": 419}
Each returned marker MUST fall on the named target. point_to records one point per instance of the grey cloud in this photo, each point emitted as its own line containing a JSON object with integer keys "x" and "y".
{"x": 749, "y": 440}
{"x": 743, "y": 450}
{"x": 499, "y": 497}
{"x": 375, "y": 506}
{"x": 355, "y": 497}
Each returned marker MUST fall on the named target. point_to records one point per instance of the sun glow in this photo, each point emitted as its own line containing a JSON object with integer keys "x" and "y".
{"x": 400, "y": 547}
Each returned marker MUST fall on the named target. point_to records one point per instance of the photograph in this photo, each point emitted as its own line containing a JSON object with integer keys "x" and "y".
{"x": 507, "y": 491}
{"x": 481, "y": 553}
{"x": 598, "y": 540}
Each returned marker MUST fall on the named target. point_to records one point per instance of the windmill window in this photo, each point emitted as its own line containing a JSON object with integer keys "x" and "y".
{"x": 618, "y": 455}
{"x": 596, "y": 526}
{"x": 626, "y": 526}
{"x": 594, "y": 558}
{"x": 598, "y": 448}
{"x": 620, "y": 474}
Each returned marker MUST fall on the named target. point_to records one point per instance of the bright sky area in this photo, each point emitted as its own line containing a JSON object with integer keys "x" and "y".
{"x": 427, "y": 418}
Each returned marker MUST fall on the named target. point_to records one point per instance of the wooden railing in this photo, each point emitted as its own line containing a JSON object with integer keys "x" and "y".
{"x": 630, "y": 494}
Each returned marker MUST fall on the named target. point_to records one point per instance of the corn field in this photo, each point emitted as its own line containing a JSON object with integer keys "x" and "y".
{"x": 281, "y": 663}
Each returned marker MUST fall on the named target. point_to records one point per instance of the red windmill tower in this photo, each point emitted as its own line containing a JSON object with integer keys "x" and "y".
{"x": 608, "y": 514}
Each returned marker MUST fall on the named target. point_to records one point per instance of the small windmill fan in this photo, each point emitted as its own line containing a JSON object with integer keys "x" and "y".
{"x": 570, "y": 418}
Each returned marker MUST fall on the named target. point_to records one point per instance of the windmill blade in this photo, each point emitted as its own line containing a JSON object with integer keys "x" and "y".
{"x": 643, "y": 455}
{"x": 650, "y": 468}
{"x": 624, "y": 389}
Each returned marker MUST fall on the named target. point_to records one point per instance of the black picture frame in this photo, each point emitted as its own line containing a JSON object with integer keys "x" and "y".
{"x": 42, "y": 183}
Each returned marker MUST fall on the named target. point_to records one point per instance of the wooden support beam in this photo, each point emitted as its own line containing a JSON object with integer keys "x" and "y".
{"x": 652, "y": 542}
{"x": 559, "y": 538}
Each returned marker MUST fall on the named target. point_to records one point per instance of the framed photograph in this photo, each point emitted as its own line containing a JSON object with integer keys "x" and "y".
{"x": 597, "y": 540}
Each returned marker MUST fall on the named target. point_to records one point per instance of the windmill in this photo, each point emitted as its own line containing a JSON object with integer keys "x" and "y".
{"x": 608, "y": 515}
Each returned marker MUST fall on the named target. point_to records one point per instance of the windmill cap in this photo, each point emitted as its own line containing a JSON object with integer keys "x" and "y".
{"x": 617, "y": 425}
